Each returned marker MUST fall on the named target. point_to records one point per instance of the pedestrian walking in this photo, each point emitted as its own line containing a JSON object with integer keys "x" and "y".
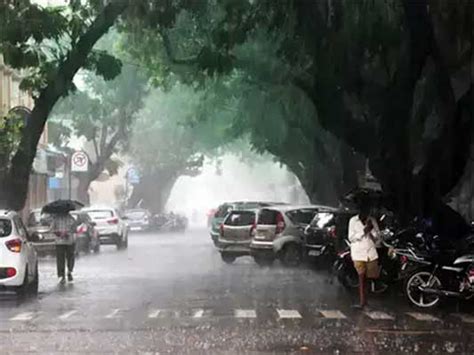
{"x": 363, "y": 236}
{"x": 63, "y": 226}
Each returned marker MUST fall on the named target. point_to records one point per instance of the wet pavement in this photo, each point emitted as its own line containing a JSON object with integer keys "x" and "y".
{"x": 171, "y": 293}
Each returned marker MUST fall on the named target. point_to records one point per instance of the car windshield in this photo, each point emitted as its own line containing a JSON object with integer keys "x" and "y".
{"x": 5, "y": 227}
{"x": 100, "y": 214}
{"x": 135, "y": 214}
{"x": 267, "y": 217}
{"x": 322, "y": 219}
{"x": 302, "y": 216}
{"x": 240, "y": 218}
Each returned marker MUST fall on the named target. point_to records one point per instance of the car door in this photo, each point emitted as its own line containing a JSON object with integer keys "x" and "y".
{"x": 30, "y": 251}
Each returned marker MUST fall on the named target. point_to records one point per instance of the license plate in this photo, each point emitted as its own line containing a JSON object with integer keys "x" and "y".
{"x": 314, "y": 253}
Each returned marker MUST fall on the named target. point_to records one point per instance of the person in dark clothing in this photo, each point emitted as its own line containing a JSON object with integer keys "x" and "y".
{"x": 63, "y": 226}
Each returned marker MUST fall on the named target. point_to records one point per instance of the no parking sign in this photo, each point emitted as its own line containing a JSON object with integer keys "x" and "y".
{"x": 79, "y": 162}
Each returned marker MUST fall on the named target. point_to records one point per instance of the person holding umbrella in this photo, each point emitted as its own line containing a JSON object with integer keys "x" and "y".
{"x": 63, "y": 226}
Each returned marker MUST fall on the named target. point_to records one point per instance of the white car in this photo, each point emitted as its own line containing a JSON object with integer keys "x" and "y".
{"x": 112, "y": 229}
{"x": 18, "y": 259}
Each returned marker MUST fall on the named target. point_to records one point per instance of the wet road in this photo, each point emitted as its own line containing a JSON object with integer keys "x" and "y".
{"x": 171, "y": 293}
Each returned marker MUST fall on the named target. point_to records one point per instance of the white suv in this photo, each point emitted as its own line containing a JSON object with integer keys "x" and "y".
{"x": 111, "y": 228}
{"x": 18, "y": 259}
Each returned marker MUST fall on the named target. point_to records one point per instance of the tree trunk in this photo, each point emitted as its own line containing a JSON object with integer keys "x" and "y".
{"x": 16, "y": 183}
{"x": 83, "y": 189}
{"x": 153, "y": 191}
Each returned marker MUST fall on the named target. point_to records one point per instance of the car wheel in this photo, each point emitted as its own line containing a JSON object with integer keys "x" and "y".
{"x": 125, "y": 243}
{"x": 291, "y": 255}
{"x": 228, "y": 258}
{"x": 97, "y": 247}
{"x": 264, "y": 260}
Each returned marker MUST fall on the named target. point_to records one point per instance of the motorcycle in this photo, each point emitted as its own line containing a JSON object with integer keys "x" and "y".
{"x": 396, "y": 258}
{"x": 441, "y": 273}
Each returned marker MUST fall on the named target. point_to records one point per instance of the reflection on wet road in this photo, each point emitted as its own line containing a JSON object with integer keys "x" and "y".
{"x": 173, "y": 294}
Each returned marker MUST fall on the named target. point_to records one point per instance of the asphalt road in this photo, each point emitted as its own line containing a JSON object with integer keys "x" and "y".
{"x": 171, "y": 293}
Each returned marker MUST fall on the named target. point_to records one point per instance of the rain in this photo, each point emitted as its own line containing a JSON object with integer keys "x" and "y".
{"x": 236, "y": 177}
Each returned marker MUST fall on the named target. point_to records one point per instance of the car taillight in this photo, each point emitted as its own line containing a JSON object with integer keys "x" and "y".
{"x": 221, "y": 230}
{"x": 113, "y": 221}
{"x": 332, "y": 232}
{"x": 11, "y": 271}
{"x": 280, "y": 223}
{"x": 14, "y": 245}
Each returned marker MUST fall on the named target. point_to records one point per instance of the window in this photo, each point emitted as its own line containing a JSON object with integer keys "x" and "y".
{"x": 223, "y": 210}
{"x": 240, "y": 218}
{"x": 100, "y": 214}
{"x": 267, "y": 217}
{"x": 5, "y": 227}
{"x": 135, "y": 214}
{"x": 301, "y": 216}
{"x": 323, "y": 219}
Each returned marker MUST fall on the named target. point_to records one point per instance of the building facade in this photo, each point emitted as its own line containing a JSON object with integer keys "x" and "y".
{"x": 12, "y": 98}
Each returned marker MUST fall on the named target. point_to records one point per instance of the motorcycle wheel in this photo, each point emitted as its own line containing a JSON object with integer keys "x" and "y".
{"x": 418, "y": 297}
{"x": 348, "y": 278}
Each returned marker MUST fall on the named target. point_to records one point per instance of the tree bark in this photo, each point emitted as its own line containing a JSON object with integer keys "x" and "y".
{"x": 153, "y": 191}
{"x": 16, "y": 184}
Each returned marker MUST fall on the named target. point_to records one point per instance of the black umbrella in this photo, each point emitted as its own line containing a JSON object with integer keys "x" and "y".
{"x": 61, "y": 206}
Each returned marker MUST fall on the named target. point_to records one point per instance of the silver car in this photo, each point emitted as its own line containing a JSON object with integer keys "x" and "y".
{"x": 235, "y": 234}
{"x": 279, "y": 233}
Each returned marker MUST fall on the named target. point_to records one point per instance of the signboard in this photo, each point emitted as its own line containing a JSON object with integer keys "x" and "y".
{"x": 79, "y": 162}
{"x": 54, "y": 183}
{"x": 133, "y": 176}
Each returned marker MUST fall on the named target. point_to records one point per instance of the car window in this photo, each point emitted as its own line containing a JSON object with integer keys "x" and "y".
{"x": 267, "y": 217}
{"x": 5, "y": 227}
{"x": 323, "y": 219}
{"x": 301, "y": 216}
{"x": 223, "y": 210}
{"x": 240, "y": 218}
{"x": 100, "y": 214}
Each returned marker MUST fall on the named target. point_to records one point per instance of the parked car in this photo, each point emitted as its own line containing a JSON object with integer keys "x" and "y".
{"x": 18, "y": 258}
{"x": 112, "y": 229}
{"x": 279, "y": 233}
{"x": 325, "y": 234}
{"x": 236, "y": 234}
{"x": 138, "y": 219}
{"x": 225, "y": 208}
{"x": 39, "y": 224}
{"x": 169, "y": 222}
{"x": 87, "y": 238}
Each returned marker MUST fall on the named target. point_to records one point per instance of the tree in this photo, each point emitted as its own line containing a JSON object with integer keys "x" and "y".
{"x": 103, "y": 114}
{"x": 53, "y": 44}
{"x": 165, "y": 146}
{"x": 389, "y": 79}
